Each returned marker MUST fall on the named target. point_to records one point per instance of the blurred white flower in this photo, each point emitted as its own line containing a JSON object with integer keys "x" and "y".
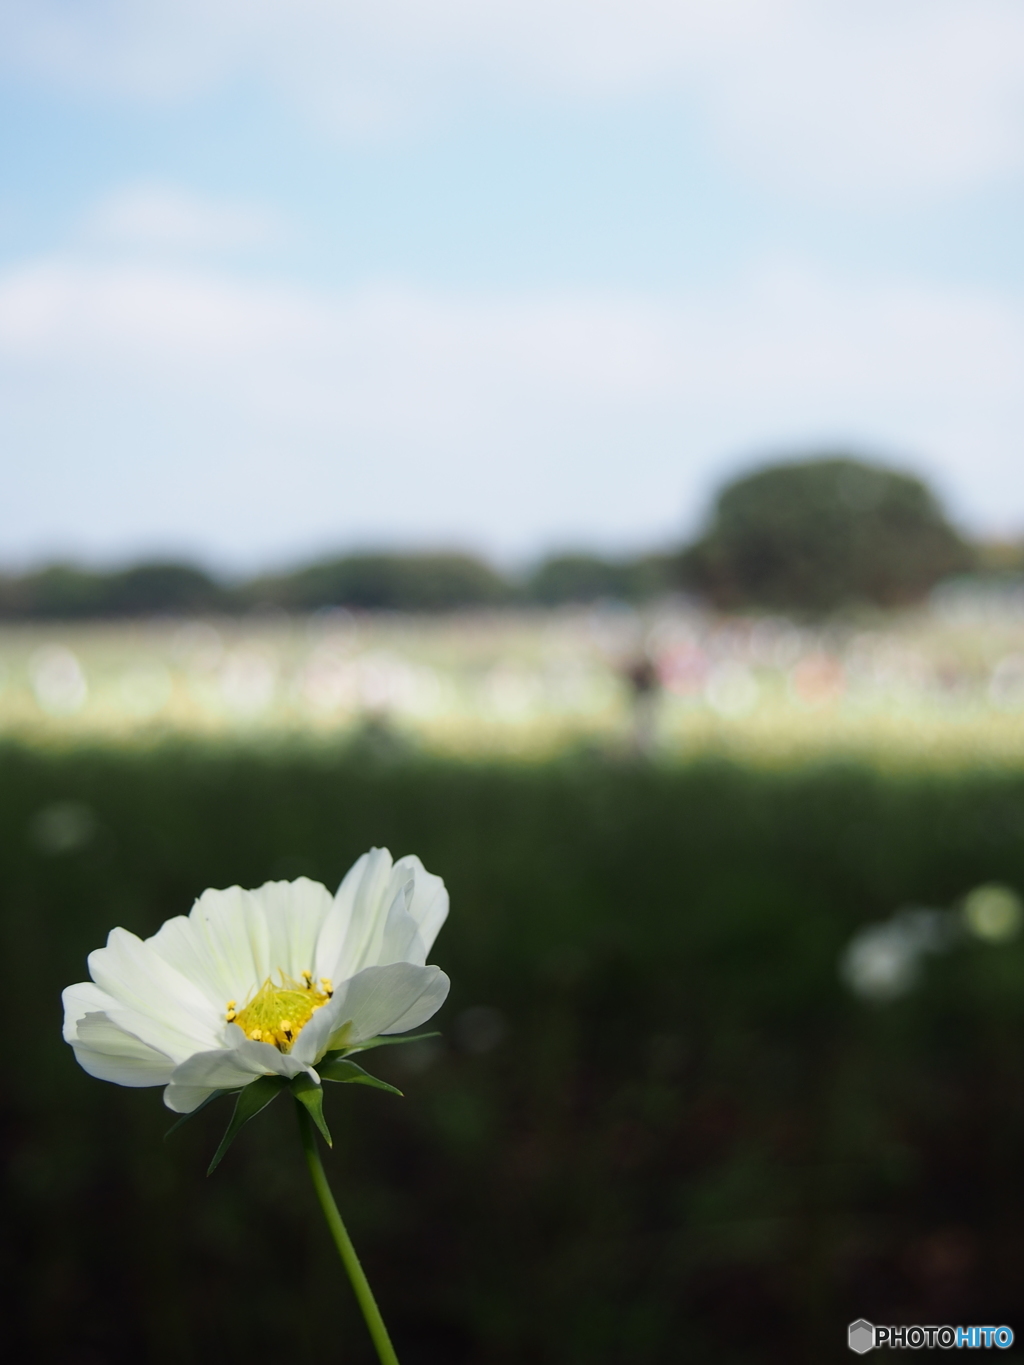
{"x": 63, "y": 827}
{"x": 145, "y": 689}
{"x": 199, "y": 646}
{"x": 732, "y": 689}
{"x": 993, "y": 912}
{"x": 776, "y": 643}
{"x": 385, "y": 681}
{"x": 58, "y": 680}
{"x": 262, "y": 983}
{"x": 512, "y": 693}
{"x": 329, "y": 681}
{"x": 1006, "y": 686}
{"x": 248, "y": 679}
{"x": 882, "y": 961}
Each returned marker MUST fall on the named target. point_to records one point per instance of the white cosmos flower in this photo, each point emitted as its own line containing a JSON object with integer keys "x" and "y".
{"x": 258, "y": 983}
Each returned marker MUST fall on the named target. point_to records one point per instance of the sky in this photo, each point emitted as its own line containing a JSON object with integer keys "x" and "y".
{"x": 281, "y": 278}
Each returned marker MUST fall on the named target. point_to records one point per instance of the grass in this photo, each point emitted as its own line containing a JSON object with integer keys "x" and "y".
{"x": 657, "y": 1125}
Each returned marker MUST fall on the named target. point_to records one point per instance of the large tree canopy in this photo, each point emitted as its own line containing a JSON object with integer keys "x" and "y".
{"x": 823, "y": 533}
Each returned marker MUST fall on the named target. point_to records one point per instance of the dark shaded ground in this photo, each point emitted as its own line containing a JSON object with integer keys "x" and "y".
{"x": 689, "y": 1143}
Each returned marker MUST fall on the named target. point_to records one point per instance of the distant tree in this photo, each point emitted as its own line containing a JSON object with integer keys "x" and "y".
{"x": 587, "y": 578}
{"x": 386, "y": 582}
{"x": 67, "y": 593}
{"x": 822, "y": 533}
{"x": 147, "y": 589}
{"x": 1000, "y": 558}
{"x": 57, "y": 592}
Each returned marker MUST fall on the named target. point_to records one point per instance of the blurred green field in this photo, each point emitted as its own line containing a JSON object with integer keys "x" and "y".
{"x": 659, "y": 1124}
{"x": 945, "y": 683}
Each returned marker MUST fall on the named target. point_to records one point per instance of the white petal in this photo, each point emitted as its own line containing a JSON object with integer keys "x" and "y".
{"x": 387, "y": 999}
{"x": 358, "y": 912}
{"x": 432, "y": 995}
{"x": 79, "y": 1000}
{"x": 311, "y": 1044}
{"x": 234, "y": 940}
{"x": 397, "y": 934}
{"x": 181, "y": 943}
{"x": 295, "y": 913}
{"x": 398, "y": 938}
{"x": 105, "y": 1050}
{"x": 141, "y": 981}
{"x": 162, "y": 1037}
{"x": 231, "y": 935}
{"x": 226, "y": 1069}
{"x": 269, "y": 1060}
{"x": 428, "y": 904}
{"x": 182, "y": 1099}
{"x": 383, "y": 913}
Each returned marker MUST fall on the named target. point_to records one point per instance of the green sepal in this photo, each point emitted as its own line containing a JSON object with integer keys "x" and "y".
{"x": 251, "y": 1100}
{"x": 385, "y": 1040}
{"x": 382, "y": 1040}
{"x": 197, "y": 1110}
{"x": 307, "y": 1092}
{"x": 335, "y": 1068}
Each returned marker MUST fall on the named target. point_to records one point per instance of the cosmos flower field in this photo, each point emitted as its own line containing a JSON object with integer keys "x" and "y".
{"x": 945, "y": 682}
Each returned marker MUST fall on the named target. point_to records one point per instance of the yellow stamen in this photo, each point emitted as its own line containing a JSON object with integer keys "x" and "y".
{"x": 277, "y": 1013}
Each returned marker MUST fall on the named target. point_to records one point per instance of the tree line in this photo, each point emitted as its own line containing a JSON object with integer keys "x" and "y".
{"x": 416, "y": 582}
{"x": 811, "y": 536}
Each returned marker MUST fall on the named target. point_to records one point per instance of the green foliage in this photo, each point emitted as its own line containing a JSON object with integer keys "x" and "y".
{"x": 66, "y": 592}
{"x": 147, "y": 588}
{"x": 587, "y": 578}
{"x": 311, "y": 1097}
{"x": 335, "y": 1068}
{"x": 391, "y": 1040}
{"x": 61, "y": 591}
{"x": 692, "y": 1143}
{"x": 821, "y": 534}
{"x": 251, "y": 1101}
{"x": 388, "y": 582}
{"x": 366, "y": 582}
{"x": 385, "y": 582}
{"x": 999, "y": 559}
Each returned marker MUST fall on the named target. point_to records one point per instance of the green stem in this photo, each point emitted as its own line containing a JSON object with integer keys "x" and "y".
{"x": 347, "y": 1252}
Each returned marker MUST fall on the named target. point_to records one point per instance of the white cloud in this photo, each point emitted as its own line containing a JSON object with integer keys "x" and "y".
{"x": 162, "y": 217}
{"x": 163, "y": 403}
{"x": 889, "y": 97}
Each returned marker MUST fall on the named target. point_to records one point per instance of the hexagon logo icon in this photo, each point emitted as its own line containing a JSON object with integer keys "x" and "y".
{"x": 861, "y": 1336}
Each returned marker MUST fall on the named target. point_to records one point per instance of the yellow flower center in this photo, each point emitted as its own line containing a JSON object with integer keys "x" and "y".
{"x": 276, "y": 1014}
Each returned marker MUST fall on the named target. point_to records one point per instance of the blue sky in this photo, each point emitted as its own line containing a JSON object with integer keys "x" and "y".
{"x": 283, "y": 278}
